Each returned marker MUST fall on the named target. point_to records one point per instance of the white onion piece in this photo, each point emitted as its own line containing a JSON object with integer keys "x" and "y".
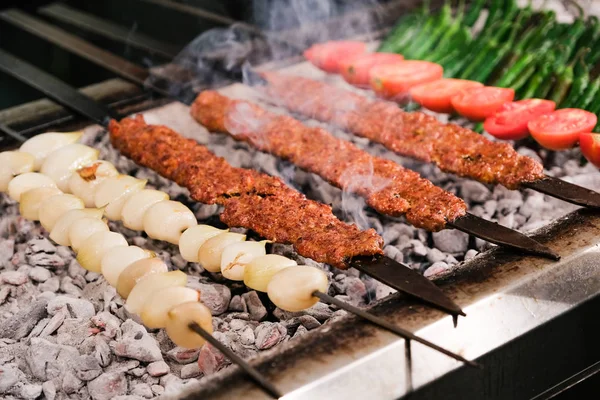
{"x": 60, "y": 164}
{"x": 209, "y": 255}
{"x": 27, "y": 181}
{"x": 292, "y": 288}
{"x": 32, "y": 199}
{"x": 193, "y": 238}
{"x": 113, "y": 192}
{"x": 13, "y": 163}
{"x": 259, "y": 271}
{"x": 117, "y": 259}
{"x": 179, "y": 319}
{"x": 166, "y": 220}
{"x": 60, "y": 231}
{"x": 83, "y": 228}
{"x": 137, "y": 271}
{"x": 136, "y": 206}
{"x": 55, "y": 206}
{"x": 40, "y": 146}
{"x": 236, "y": 255}
{"x": 96, "y": 246}
{"x": 154, "y": 312}
{"x": 147, "y": 287}
{"x": 84, "y": 181}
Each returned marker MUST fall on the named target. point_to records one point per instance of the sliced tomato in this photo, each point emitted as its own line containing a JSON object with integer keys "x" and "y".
{"x": 479, "y": 103}
{"x": 561, "y": 129}
{"x": 510, "y": 122}
{"x": 356, "y": 70}
{"x": 436, "y": 95}
{"x": 395, "y": 80}
{"x": 328, "y": 56}
{"x": 590, "y": 147}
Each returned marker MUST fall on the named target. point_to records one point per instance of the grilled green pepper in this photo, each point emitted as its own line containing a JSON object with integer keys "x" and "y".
{"x": 444, "y": 20}
{"x": 585, "y": 100}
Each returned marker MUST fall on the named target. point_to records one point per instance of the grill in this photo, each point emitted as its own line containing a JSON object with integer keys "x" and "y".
{"x": 141, "y": 57}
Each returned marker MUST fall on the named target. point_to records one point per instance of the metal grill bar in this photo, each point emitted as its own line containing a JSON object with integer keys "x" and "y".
{"x": 82, "y": 48}
{"x": 91, "y": 23}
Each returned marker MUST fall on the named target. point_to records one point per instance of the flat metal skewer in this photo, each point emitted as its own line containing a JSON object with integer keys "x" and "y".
{"x": 565, "y": 191}
{"x": 12, "y": 133}
{"x": 256, "y": 376}
{"x": 501, "y": 235}
{"x": 390, "y": 327}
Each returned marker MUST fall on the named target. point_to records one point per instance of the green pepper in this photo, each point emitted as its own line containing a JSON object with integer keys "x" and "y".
{"x": 399, "y": 33}
{"x": 564, "y": 80}
{"x": 446, "y": 39}
{"x": 442, "y": 25}
{"x": 474, "y": 13}
{"x": 585, "y": 100}
{"x": 513, "y": 74}
{"x": 580, "y": 83}
{"x": 494, "y": 13}
{"x": 520, "y": 85}
{"x": 459, "y": 41}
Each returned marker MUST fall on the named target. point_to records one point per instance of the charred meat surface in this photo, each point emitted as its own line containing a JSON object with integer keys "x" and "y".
{"x": 251, "y": 199}
{"x": 418, "y": 135}
{"x": 388, "y": 187}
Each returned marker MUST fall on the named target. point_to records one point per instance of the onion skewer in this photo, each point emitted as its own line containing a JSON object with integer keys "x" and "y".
{"x": 293, "y": 297}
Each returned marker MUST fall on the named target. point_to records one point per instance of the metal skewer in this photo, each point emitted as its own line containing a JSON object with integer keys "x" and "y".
{"x": 396, "y": 275}
{"x": 390, "y": 327}
{"x": 12, "y": 133}
{"x": 256, "y": 376}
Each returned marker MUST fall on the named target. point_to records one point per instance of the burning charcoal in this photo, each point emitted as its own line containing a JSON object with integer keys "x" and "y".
{"x": 68, "y": 287}
{"x": 450, "y": 260}
{"x": 39, "y": 274}
{"x": 108, "y": 324}
{"x": 73, "y": 332}
{"x": 49, "y": 390}
{"x": 434, "y": 255}
{"x": 299, "y": 332}
{"x": 507, "y": 220}
{"x": 268, "y": 334}
{"x": 394, "y": 253}
{"x": 122, "y": 367}
{"x": 183, "y": 356}
{"x": 418, "y": 248}
{"x": 47, "y": 360}
{"x": 136, "y": 343}
{"x": 356, "y": 290}
{"x": 157, "y": 390}
{"x": 490, "y": 207}
{"x": 590, "y": 181}
{"x": 247, "y": 336}
{"x": 451, "y": 241}
{"x": 475, "y": 191}
{"x": 28, "y": 392}
{"x": 190, "y": 371}
{"x": 526, "y": 151}
{"x": 472, "y": 253}
{"x": 178, "y": 261}
{"x": 70, "y": 383}
{"x": 255, "y": 307}
{"x": 87, "y": 368}
{"x": 107, "y": 386}
{"x": 40, "y": 245}
{"x": 51, "y": 285}
{"x": 55, "y": 322}
{"x": 13, "y": 278}
{"x": 4, "y": 292}
{"x": 102, "y": 352}
{"x": 79, "y": 308}
{"x": 10, "y": 374}
{"x": 436, "y": 269}
{"x": 75, "y": 269}
{"x": 215, "y": 297}
{"x": 210, "y": 360}
{"x": 7, "y": 250}
{"x": 237, "y": 303}
{"x": 92, "y": 276}
{"x": 142, "y": 390}
{"x": 20, "y": 324}
{"x": 137, "y": 372}
{"x": 158, "y": 368}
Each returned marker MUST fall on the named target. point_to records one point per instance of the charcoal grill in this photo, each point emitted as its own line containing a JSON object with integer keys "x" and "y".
{"x": 530, "y": 320}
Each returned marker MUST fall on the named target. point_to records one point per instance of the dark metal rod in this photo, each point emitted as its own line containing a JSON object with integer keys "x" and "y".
{"x": 91, "y": 23}
{"x": 105, "y": 59}
{"x": 569, "y": 382}
{"x": 390, "y": 327}
{"x": 250, "y": 370}
{"x": 12, "y": 133}
{"x": 501, "y": 235}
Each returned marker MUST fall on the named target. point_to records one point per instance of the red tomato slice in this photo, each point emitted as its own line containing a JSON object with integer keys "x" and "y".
{"x": 590, "y": 147}
{"x": 479, "y": 103}
{"x": 561, "y": 129}
{"x": 510, "y": 122}
{"x": 436, "y": 95}
{"x": 328, "y": 56}
{"x": 356, "y": 70}
{"x": 395, "y": 80}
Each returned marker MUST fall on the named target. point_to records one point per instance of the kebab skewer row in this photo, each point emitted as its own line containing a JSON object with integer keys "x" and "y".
{"x": 135, "y": 273}
{"x": 452, "y": 148}
{"x": 388, "y": 187}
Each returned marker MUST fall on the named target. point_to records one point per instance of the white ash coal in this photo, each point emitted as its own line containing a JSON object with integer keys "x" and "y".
{"x": 64, "y": 332}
